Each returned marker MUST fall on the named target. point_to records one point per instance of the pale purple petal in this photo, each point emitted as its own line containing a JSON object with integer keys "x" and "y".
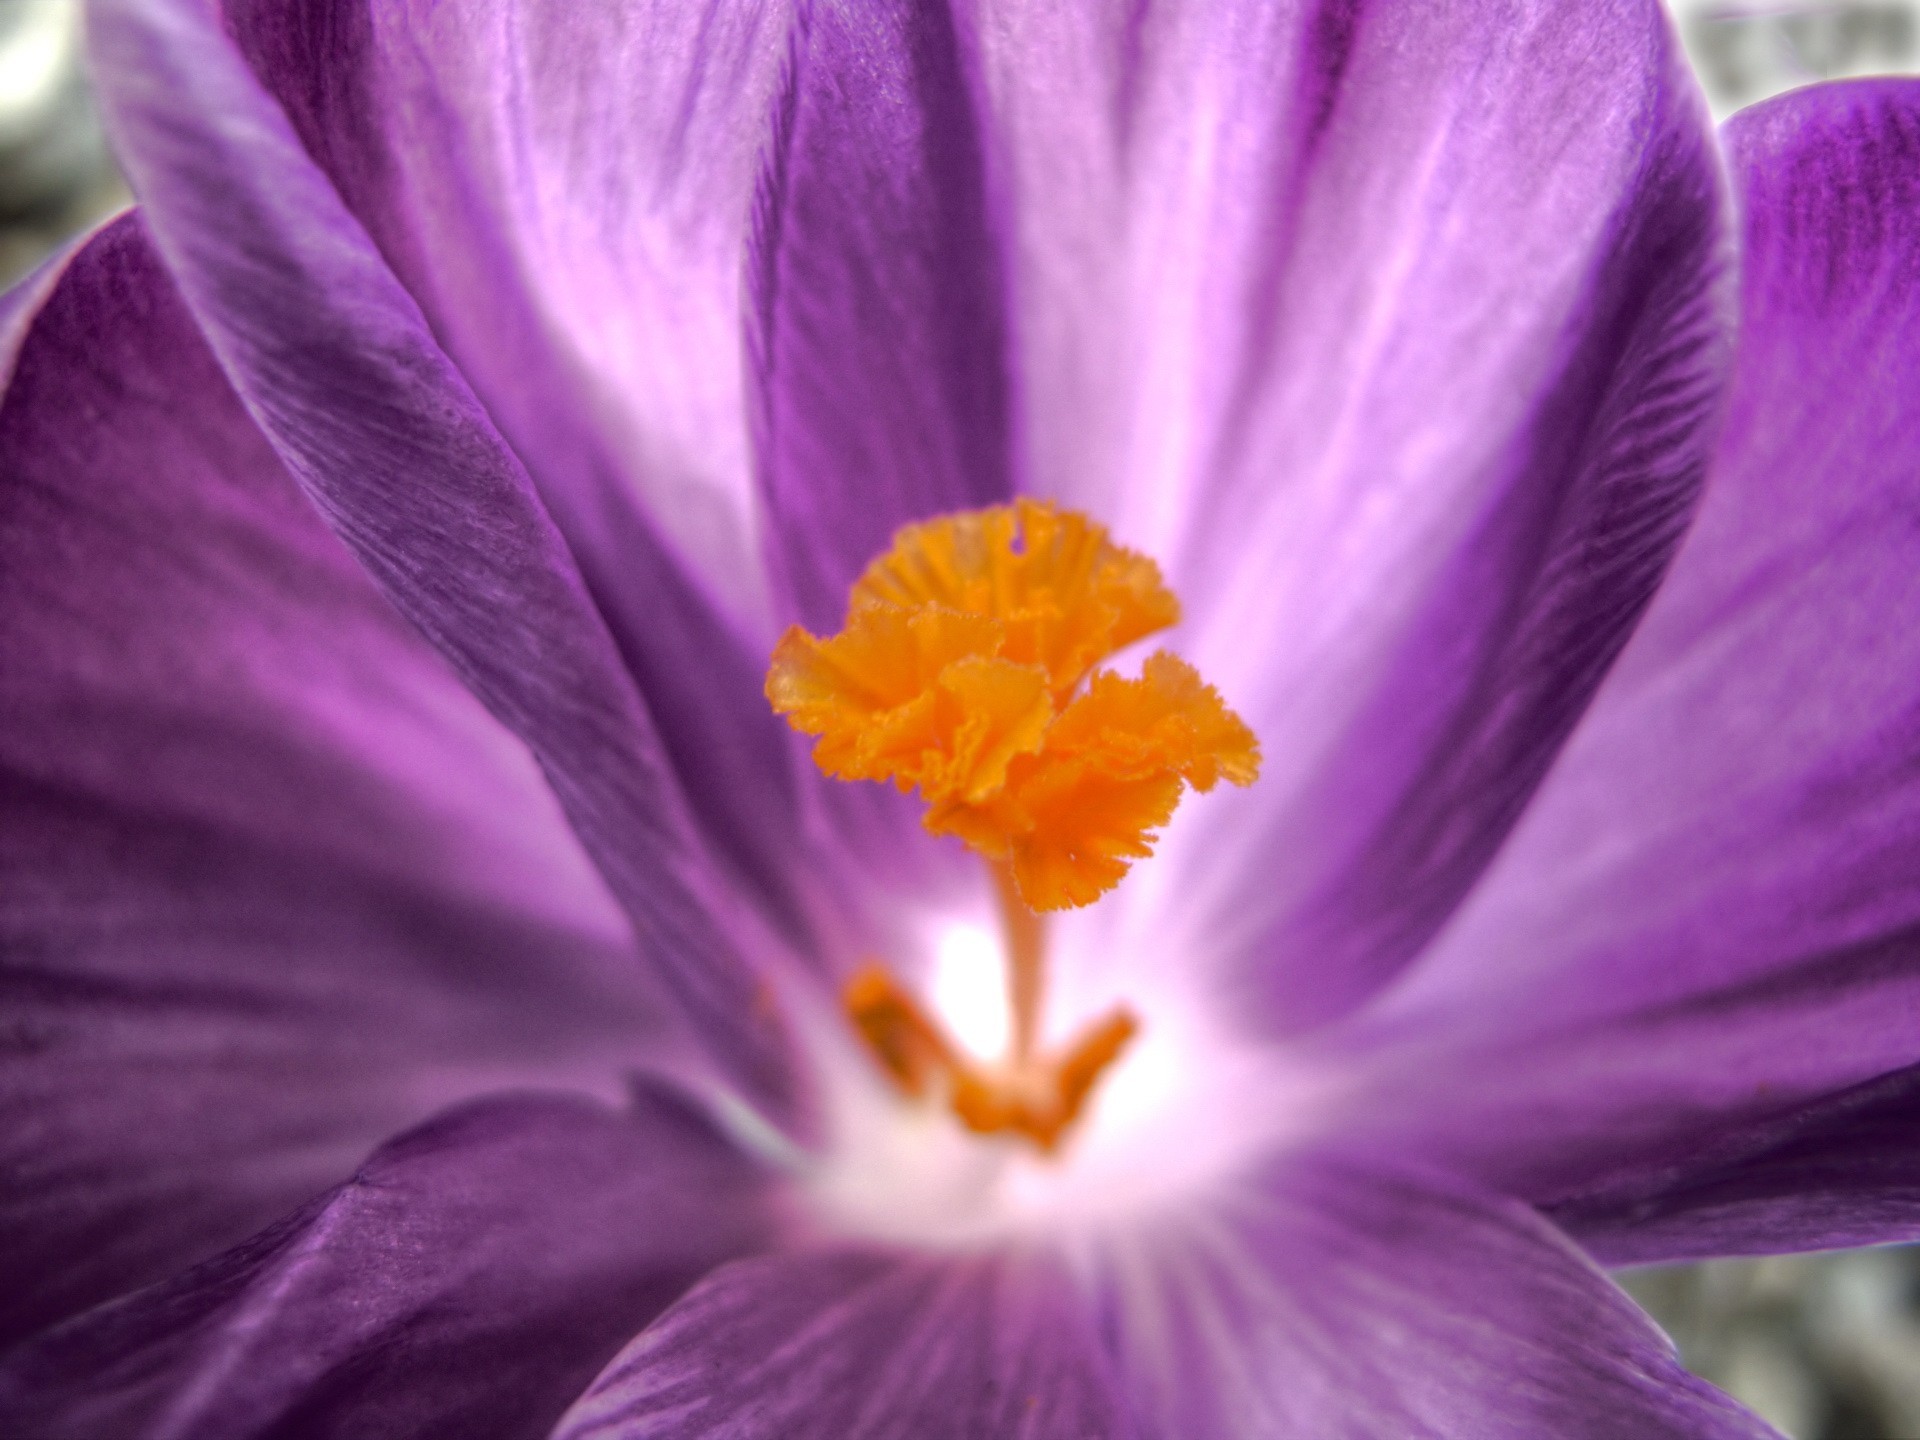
{"x": 338, "y": 367}
{"x": 1325, "y": 1301}
{"x": 848, "y": 1345}
{"x": 1395, "y": 330}
{"x": 565, "y": 189}
{"x": 1711, "y": 917}
{"x": 271, "y": 882}
{"x": 466, "y": 1284}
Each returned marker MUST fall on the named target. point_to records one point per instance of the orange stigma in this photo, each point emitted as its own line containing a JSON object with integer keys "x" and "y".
{"x": 965, "y": 672}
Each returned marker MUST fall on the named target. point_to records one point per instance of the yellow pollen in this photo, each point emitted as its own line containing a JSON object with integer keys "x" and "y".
{"x": 965, "y": 672}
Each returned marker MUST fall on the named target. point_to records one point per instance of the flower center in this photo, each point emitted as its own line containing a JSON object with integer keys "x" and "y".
{"x": 965, "y": 672}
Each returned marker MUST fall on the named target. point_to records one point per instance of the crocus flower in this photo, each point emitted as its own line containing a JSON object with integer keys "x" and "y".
{"x": 399, "y": 509}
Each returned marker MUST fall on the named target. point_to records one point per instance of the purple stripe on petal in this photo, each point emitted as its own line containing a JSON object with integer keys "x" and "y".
{"x": 1327, "y": 1301}
{"x": 1711, "y": 918}
{"x": 1396, "y": 330}
{"x": 337, "y": 366}
{"x": 1843, "y": 1171}
{"x": 464, "y": 1285}
{"x": 881, "y": 379}
{"x": 271, "y": 882}
{"x": 565, "y": 191}
{"x": 844, "y": 1345}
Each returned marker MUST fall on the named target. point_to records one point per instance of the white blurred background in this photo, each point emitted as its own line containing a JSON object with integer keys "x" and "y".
{"x": 1746, "y": 50}
{"x": 1826, "y": 1347}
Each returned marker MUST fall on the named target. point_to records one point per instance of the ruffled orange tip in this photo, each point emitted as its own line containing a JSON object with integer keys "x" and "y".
{"x": 1039, "y": 1099}
{"x": 1062, "y": 597}
{"x": 1073, "y": 817}
{"x": 955, "y": 677}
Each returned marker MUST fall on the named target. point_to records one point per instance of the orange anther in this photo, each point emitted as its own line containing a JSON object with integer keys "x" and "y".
{"x": 1037, "y": 1097}
{"x": 1097, "y": 1048}
{"x": 908, "y": 1045}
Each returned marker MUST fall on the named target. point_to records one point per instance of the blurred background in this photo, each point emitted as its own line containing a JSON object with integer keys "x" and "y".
{"x": 1746, "y": 50}
{"x": 1827, "y": 1347}
{"x": 56, "y": 177}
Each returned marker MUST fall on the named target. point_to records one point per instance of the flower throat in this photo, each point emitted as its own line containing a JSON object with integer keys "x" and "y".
{"x": 966, "y": 673}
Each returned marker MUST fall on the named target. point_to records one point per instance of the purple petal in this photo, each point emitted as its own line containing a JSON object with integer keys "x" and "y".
{"x": 1395, "y": 330}
{"x": 1843, "y": 1171}
{"x": 339, "y": 369}
{"x": 1708, "y": 921}
{"x": 883, "y": 388}
{"x": 565, "y": 189}
{"x": 1338, "y": 1303}
{"x": 844, "y": 1344}
{"x": 20, "y": 305}
{"x": 468, "y": 1282}
{"x": 271, "y": 882}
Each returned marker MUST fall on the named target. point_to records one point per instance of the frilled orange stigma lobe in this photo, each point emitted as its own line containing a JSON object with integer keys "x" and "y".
{"x": 965, "y": 673}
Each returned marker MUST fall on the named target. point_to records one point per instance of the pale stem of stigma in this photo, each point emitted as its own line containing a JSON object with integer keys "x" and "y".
{"x": 1026, "y": 936}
